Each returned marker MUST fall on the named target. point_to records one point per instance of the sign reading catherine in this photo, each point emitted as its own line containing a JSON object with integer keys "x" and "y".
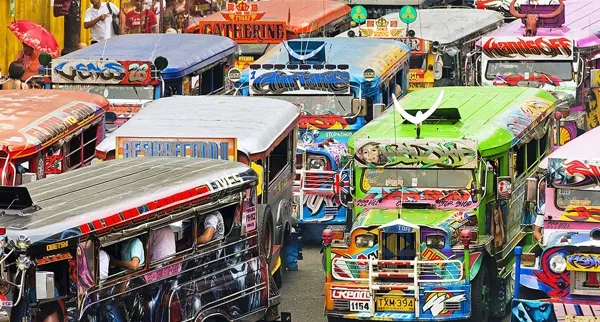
{"x": 210, "y": 148}
{"x": 276, "y": 82}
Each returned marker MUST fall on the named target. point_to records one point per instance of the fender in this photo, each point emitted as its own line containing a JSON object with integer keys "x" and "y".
{"x": 476, "y": 265}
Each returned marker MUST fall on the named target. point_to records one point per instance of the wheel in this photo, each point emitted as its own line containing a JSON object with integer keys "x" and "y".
{"x": 266, "y": 231}
{"x": 480, "y": 295}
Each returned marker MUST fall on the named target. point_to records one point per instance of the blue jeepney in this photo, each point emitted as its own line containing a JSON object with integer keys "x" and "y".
{"x": 340, "y": 85}
{"x": 130, "y": 70}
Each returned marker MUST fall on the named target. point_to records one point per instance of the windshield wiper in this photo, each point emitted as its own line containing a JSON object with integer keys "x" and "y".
{"x": 548, "y": 76}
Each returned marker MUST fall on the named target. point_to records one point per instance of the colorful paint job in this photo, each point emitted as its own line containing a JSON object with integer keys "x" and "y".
{"x": 583, "y": 262}
{"x": 211, "y": 148}
{"x": 528, "y": 48}
{"x": 581, "y": 214}
{"x": 439, "y": 300}
{"x": 417, "y": 153}
{"x": 282, "y": 81}
{"x": 102, "y": 72}
{"x": 554, "y": 311}
{"x": 564, "y": 173}
{"x": 555, "y": 285}
{"x": 395, "y": 197}
{"x": 527, "y": 116}
{"x": 323, "y": 122}
{"x": 381, "y": 28}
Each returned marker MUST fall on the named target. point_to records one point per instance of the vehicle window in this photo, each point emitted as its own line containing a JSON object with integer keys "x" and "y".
{"x": 539, "y": 69}
{"x": 61, "y": 276}
{"x": 543, "y": 142}
{"x": 519, "y": 161}
{"x": 422, "y": 178}
{"x": 89, "y": 143}
{"x": 74, "y": 152}
{"x": 279, "y": 158}
{"x": 166, "y": 241}
{"x": 417, "y": 61}
{"x": 532, "y": 153}
{"x": 215, "y": 225}
{"x": 123, "y": 257}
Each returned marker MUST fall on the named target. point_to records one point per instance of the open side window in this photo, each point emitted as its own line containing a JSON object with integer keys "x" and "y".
{"x": 129, "y": 255}
{"x": 219, "y": 221}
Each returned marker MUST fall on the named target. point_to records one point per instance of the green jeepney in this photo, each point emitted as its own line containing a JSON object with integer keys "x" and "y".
{"x": 439, "y": 205}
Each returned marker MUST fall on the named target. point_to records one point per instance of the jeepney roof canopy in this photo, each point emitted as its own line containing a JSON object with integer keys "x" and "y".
{"x": 496, "y": 117}
{"x": 185, "y": 53}
{"x": 257, "y": 123}
{"x": 577, "y": 149}
{"x": 382, "y": 55}
{"x": 301, "y": 17}
{"x": 580, "y": 25}
{"x": 32, "y": 118}
{"x": 99, "y": 196}
{"x": 445, "y": 25}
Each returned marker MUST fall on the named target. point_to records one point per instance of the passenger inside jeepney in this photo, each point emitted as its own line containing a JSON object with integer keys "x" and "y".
{"x": 213, "y": 227}
{"x": 128, "y": 255}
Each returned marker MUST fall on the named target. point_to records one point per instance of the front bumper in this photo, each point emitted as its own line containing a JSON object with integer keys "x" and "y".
{"x": 436, "y": 303}
{"x": 554, "y": 310}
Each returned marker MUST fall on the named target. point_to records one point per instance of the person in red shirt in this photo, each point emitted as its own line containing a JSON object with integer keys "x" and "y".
{"x": 140, "y": 20}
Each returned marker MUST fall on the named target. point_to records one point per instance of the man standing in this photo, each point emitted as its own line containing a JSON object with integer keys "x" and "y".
{"x": 99, "y": 18}
{"x": 140, "y": 20}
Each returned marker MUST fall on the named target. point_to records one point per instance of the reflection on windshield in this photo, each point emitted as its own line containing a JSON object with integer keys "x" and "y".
{"x": 320, "y": 104}
{"x": 560, "y": 69}
{"x": 114, "y": 92}
{"x": 422, "y": 178}
{"x": 567, "y": 197}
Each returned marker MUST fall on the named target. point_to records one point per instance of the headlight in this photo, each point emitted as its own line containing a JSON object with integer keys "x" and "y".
{"x": 318, "y": 163}
{"x": 435, "y": 241}
{"x": 558, "y": 263}
{"x": 365, "y": 240}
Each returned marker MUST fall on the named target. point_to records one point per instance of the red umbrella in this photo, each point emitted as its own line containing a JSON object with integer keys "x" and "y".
{"x": 35, "y": 36}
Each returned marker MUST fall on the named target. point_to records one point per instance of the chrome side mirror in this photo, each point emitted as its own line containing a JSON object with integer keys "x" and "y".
{"x": 531, "y": 185}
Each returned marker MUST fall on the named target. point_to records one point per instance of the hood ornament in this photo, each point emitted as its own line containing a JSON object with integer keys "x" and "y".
{"x": 419, "y": 117}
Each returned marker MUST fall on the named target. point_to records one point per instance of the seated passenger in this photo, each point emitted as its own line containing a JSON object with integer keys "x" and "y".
{"x": 214, "y": 228}
{"x": 132, "y": 255}
{"x": 162, "y": 243}
{"x": 104, "y": 263}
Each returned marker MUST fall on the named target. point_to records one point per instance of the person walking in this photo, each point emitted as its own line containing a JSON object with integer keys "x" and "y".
{"x": 99, "y": 19}
{"x": 15, "y": 73}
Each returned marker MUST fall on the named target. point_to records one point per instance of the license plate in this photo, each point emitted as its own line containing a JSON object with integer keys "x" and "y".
{"x": 571, "y": 318}
{"x": 394, "y": 303}
{"x": 356, "y": 306}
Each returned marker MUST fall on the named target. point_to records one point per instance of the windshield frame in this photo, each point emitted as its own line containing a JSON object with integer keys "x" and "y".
{"x": 384, "y": 171}
{"x": 524, "y": 62}
{"x": 150, "y": 89}
{"x": 339, "y": 99}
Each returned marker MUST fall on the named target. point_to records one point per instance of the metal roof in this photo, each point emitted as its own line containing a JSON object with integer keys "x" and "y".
{"x": 185, "y": 52}
{"x": 32, "y": 118}
{"x": 256, "y": 122}
{"x": 446, "y": 25}
{"x": 576, "y": 149}
{"x": 79, "y": 197}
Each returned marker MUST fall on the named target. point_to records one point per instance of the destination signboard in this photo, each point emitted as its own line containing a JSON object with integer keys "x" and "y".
{"x": 276, "y": 82}
{"x": 82, "y": 71}
{"x": 209, "y": 148}
{"x": 527, "y": 48}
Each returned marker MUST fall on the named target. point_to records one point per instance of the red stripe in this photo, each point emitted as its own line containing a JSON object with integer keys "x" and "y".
{"x": 85, "y": 229}
{"x": 97, "y": 224}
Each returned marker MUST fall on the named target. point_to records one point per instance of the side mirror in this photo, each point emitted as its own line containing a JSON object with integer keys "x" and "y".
{"x": 110, "y": 116}
{"x": 378, "y": 108}
{"x": 531, "y": 185}
{"x": 359, "y": 107}
{"x": 44, "y": 285}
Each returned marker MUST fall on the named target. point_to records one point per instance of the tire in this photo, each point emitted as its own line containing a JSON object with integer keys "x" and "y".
{"x": 480, "y": 296}
{"x": 266, "y": 231}
{"x": 278, "y": 276}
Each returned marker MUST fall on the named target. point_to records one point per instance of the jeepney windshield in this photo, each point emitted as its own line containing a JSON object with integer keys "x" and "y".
{"x": 560, "y": 69}
{"x": 570, "y": 197}
{"x": 419, "y": 178}
{"x": 320, "y": 104}
{"x": 114, "y": 91}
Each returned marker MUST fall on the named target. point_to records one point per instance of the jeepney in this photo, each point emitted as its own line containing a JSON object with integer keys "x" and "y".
{"x": 554, "y": 47}
{"x": 441, "y": 42}
{"x": 378, "y": 8}
{"x": 259, "y": 26}
{"x": 226, "y": 128}
{"x": 57, "y": 233}
{"x": 438, "y": 205}
{"x": 340, "y": 84}
{"x": 560, "y": 283}
{"x": 43, "y": 133}
{"x": 131, "y": 70}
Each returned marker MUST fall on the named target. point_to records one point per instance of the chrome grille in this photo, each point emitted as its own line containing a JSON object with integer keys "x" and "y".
{"x": 341, "y": 305}
{"x": 331, "y": 210}
{"x": 451, "y": 306}
{"x": 580, "y": 283}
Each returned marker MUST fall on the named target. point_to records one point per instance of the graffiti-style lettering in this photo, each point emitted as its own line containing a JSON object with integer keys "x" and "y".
{"x": 322, "y": 122}
{"x": 59, "y": 122}
{"x": 278, "y": 82}
{"x": 189, "y": 149}
{"x": 528, "y": 48}
{"x": 582, "y": 174}
{"x": 225, "y": 182}
{"x": 584, "y": 261}
{"x": 420, "y": 155}
{"x": 529, "y": 114}
{"x": 349, "y": 295}
{"x": 94, "y": 70}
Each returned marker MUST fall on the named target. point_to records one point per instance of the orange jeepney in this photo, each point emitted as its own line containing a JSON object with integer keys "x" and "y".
{"x": 257, "y": 26}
